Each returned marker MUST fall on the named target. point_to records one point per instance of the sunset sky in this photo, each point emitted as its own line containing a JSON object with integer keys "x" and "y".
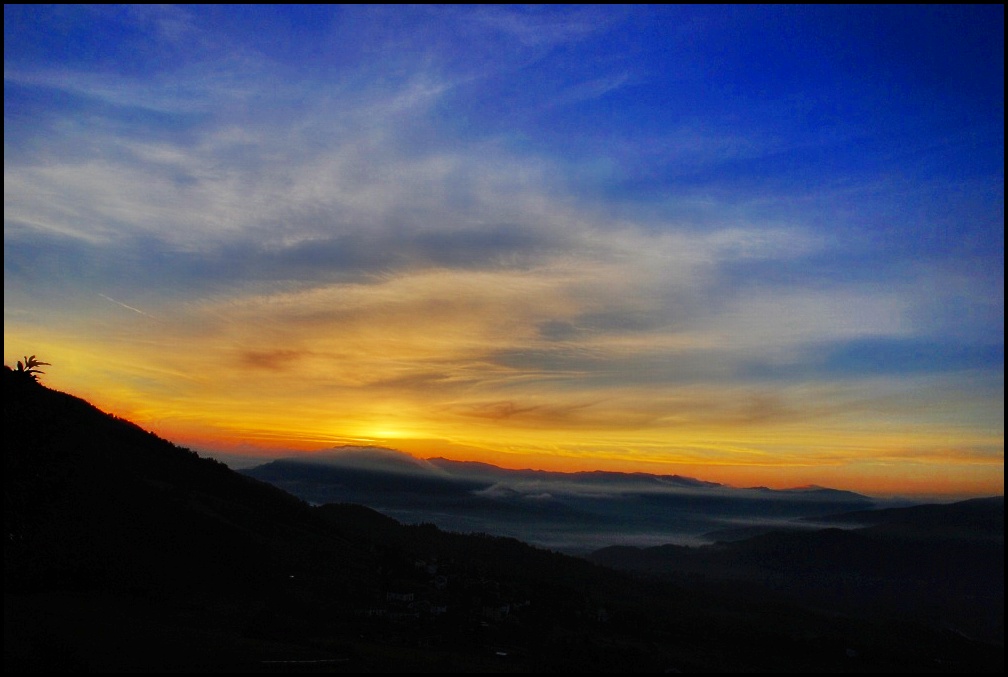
{"x": 759, "y": 245}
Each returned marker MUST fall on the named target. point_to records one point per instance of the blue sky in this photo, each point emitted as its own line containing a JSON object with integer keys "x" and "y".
{"x": 742, "y": 241}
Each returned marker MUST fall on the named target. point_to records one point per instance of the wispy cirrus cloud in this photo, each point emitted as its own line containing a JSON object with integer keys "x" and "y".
{"x": 621, "y": 222}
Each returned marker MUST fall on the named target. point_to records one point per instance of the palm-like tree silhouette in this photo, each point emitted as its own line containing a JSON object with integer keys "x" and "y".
{"x": 30, "y": 367}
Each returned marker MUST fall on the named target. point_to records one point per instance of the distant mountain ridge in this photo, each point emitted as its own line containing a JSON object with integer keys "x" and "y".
{"x": 393, "y": 460}
{"x": 480, "y": 469}
{"x": 816, "y": 490}
{"x": 978, "y": 517}
{"x": 574, "y": 512}
{"x": 384, "y": 459}
{"x": 376, "y": 458}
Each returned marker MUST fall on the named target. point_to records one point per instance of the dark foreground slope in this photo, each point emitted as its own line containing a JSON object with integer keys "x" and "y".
{"x": 127, "y": 553}
{"x": 937, "y": 564}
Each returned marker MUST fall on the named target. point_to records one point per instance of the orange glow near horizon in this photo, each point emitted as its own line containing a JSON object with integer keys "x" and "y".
{"x": 568, "y": 240}
{"x": 878, "y": 457}
{"x": 941, "y": 477}
{"x": 472, "y": 378}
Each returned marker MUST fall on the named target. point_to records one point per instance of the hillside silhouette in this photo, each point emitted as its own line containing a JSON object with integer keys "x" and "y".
{"x": 941, "y": 564}
{"x": 126, "y": 552}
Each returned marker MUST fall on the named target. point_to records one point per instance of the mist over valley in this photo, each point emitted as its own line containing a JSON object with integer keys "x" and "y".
{"x": 574, "y": 513}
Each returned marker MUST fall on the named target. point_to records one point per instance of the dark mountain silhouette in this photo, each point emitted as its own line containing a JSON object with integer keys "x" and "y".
{"x": 126, "y": 553}
{"x": 821, "y": 493}
{"x": 943, "y": 563}
{"x": 487, "y": 471}
{"x": 978, "y": 518}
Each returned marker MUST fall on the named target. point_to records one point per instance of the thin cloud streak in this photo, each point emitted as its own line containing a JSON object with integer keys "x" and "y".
{"x": 127, "y": 307}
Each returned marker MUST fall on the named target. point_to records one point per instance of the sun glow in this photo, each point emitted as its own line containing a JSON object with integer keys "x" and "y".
{"x": 464, "y": 247}
{"x": 387, "y": 433}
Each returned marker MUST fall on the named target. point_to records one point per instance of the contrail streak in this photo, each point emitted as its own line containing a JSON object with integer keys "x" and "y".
{"x": 120, "y": 303}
